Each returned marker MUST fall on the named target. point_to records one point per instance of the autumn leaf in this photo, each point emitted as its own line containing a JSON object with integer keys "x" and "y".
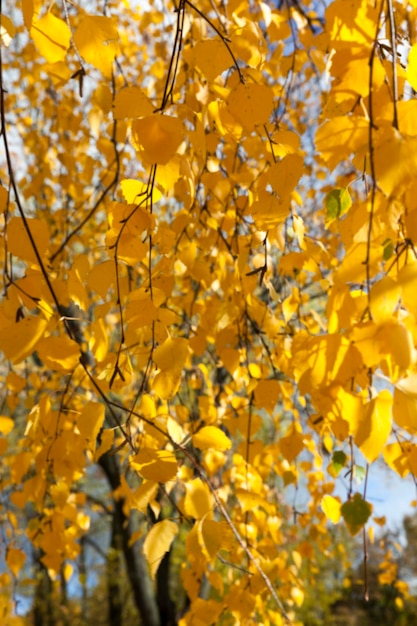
{"x": 18, "y": 341}
{"x": 157, "y": 465}
{"x": 157, "y": 137}
{"x": 51, "y": 36}
{"x": 15, "y": 560}
{"x": 331, "y": 508}
{"x": 158, "y": 541}
{"x": 198, "y": 501}
{"x": 375, "y": 426}
{"x": 131, "y": 102}
{"x": 97, "y": 41}
{"x": 211, "y": 437}
{"x": 59, "y": 353}
{"x": 251, "y": 104}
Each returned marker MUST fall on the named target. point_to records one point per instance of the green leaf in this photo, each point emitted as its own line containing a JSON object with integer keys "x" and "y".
{"x": 356, "y": 513}
{"x": 388, "y": 249}
{"x": 359, "y": 473}
{"x": 338, "y": 202}
{"x": 338, "y": 461}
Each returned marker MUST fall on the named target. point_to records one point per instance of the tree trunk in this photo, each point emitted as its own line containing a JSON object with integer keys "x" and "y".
{"x": 136, "y": 567}
{"x": 165, "y": 604}
{"x": 114, "y": 575}
{"x": 43, "y": 605}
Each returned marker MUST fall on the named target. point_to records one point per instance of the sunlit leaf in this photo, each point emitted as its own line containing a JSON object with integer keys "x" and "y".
{"x": 19, "y": 242}
{"x": 212, "y": 57}
{"x": 90, "y": 422}
{"x": 97, "y": 41}
{"x": 137, "y": 192}
{"x": 211, "y": 437}
{"x": 157, "y": 137}
{"x": 291, "y": 445}
{"x": 19, "y": 340}
{"x": 198, "y": 501}
{"x": 156, "y": 465}
{"x": 251, "y": 104}
{"x": 158, "y": 541}
{"x": 214, "y": 536}
{"x": 375, "y": 426}
{"x": 7, "y": 30}
{"x": 130, "y": 103}
{"x": 6, "y": 424}
{"x": 412, "y": 67}
{"x": 331, "y": 508}
{"x": 59, "y": 353}
{"x": 51, "y": 36}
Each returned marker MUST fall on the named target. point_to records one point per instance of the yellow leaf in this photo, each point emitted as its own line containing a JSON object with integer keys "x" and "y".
{"x": 136, "y": 192}
{"x": 6, "y": 424}
{"x": 7, "y": 30}
{"x": 395, "y": 457}
{"x": 399, "y": 346}
{"x": 291, "y": 446}
{"x": 408, "y": 386}
{"x": 341, "y": 131}
{"x": 157, "y": 465}
{"x": 51, "y": 36}
{"x": 167, "y": 175}
{"x": 266, "y": 394}
{"x": 211, "y": 437}
{"x": 18, "y": 240}
{"x": 297, "y": 595}
{"x": 251, "y": 104}
{"x": 158, "y": 541}
{"x": 375, "y": 427}
{"x": 173, "y": 352}
{"x": 59, "y": 353}
{"x": 130, "y": 103}
{"x": 175, "y": 431}
{"x": 4, "y": 198}
{"x": 90, "y": 422}
{"x": 412, "y": 67}
{"x": 15, "y": 560}
{"x": 205, "y": 612}
{"x": 99, "y": 340}
{"x": 18, "y": 341}
{"x": 405, "y": 404}
{"x": 97, "y": 41}
{"x": 384, "y": 297}
{"x": 166, "y": 384}
{"x": 284, "y": 175}
{"x": 28, "y": 11}
{"x": 107, "y": 439}
{"x": 407, "y": 279}
{"x": 331, "y": 508}
{"x": 393, "y": 148}
{"x": 144, "y": 494}
{"x": 198, "y": 500}
{"x": 213, "y": 536}
{"x": 130, "y": 249}
{"x": 267, "y": 211}
{"x": 157, "y": 137}
{"x": 212, "y": 58}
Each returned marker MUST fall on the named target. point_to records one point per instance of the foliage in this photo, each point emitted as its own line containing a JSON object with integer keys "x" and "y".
{"x": 208, "y": 217}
